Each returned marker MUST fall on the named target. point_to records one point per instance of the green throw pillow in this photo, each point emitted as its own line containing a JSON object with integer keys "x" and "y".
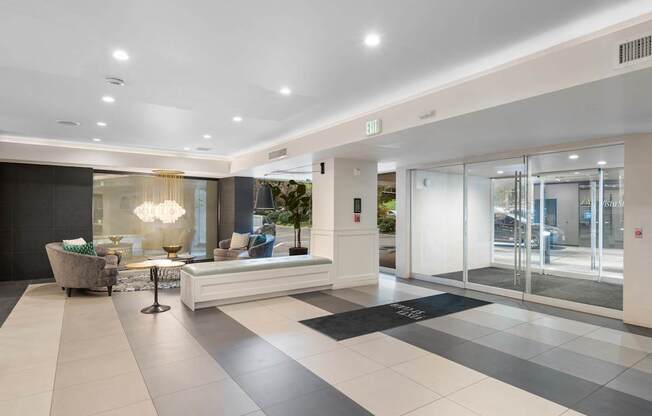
{"x": 256, "y": 239}
{"x": 87, "y": 249}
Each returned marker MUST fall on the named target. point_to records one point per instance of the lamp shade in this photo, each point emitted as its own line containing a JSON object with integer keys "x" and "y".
{"x": 265, "y": 197}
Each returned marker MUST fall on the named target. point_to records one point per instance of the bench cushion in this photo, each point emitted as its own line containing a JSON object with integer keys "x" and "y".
{"x": 269, "y": 263}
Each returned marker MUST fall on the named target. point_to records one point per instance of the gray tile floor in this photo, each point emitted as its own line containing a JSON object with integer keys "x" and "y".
{"x": 256, "y": 358}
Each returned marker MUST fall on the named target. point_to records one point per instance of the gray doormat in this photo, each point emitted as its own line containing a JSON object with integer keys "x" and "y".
{"x": 379, "y": 318}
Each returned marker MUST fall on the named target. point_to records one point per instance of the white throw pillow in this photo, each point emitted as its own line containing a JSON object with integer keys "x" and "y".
{"x": 239, "y": 241}
{"x": 76, "y": 242}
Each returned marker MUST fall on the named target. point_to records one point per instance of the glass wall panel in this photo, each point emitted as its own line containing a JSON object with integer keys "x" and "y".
{"x": 116, "y": 195}
{"x": 578, "y": 197}
{"x": 437, "y": 220}
{"x": 497, "y": 223}
{"x": 387, "y": 220}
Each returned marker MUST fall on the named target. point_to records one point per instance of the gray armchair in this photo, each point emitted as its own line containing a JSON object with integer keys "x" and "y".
{"x": 264, "y": 249}
{"x": 80, "y": 271}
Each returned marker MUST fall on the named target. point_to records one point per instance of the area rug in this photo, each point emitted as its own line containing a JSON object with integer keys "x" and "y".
{"x": 137, "y": 280}
{"x": 364, "y": 321}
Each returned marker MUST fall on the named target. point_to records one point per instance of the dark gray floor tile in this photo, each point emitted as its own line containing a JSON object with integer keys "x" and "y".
{"x": 327, "y": 402}
{"x": 480, "y": 358}
{"x": 579, "y": 365}
{"x": 327, "y": 302}
{"x": 545, "y": 382}
{"x": 279, "y": 383}
{"x": 426, "y": 338}
{"x": 609, "y": 402}
{"x": 251, "y": 354}
{"x": 634, "y": 382}
{"x": 511, "y": 344}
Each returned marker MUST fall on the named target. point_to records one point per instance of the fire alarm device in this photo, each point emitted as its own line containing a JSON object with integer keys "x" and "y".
{"x": 638, "y": 233}
{"x": 356, "y": 217}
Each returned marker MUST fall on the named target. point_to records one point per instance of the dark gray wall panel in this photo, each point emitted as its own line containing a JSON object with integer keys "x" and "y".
{"x": 236, "y": 206}
{"x": 40, "y": 204}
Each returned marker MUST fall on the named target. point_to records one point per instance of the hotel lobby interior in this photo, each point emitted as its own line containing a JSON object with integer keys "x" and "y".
{"x": 303, "y": 208}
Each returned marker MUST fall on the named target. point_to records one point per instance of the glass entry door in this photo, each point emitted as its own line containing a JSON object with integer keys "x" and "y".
{"x": 497, "y": 223}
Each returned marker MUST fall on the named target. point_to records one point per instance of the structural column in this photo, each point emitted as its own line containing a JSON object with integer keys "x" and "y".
{"x": 236, "y": 206}
{"x": 347, "y": 237}
{"x": 637, "y": 307}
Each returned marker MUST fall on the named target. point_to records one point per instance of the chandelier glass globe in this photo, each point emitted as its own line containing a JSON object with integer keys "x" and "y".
{"x": 169, "y": 211}
{"x": 146, "y": 211}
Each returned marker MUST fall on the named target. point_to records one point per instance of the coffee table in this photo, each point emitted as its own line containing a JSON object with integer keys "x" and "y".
{"x": 154, "y": 266}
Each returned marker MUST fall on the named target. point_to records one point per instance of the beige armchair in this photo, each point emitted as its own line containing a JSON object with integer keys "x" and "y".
{"x": 80, "y": 271}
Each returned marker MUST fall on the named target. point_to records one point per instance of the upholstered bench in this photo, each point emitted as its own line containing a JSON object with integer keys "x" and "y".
{"x": 219, "y": 283}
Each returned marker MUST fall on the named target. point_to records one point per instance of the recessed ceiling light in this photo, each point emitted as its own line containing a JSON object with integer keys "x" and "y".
{"x": 372, "y": 40}
{"x": 96, "y": 139}
{"x": 573, "y": 157}
{"x": 602, "y": 162}
{"x": 558, "y": 180}
{"x": 500, "y": 172}
{"x": 285, "y": 91}
{"x": 186, "y": 148}
{"x": 101, "y": 124}
{"x": 576, "y": 173}
{"x": 69, "y": 123}
{"x": 237, "y": 119}
{"x": 120, "y": 55}
{"x": 206, "y": 136}
{"x": 108, "y": 99}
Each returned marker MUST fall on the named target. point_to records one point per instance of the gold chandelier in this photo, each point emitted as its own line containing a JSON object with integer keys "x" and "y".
{"x": 163, "y": 199}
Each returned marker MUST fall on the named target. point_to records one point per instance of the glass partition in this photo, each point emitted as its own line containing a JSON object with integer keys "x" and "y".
{"x": 577, "y": 196}
{"x": 387, "y": 220}
{"x": 497, "y": 223}
{"x": 549, "y": 225}
{"x": 438, "y": 223}
{"x": 116, "y": 195}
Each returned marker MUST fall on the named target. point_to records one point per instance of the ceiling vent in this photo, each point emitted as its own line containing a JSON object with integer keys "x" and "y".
{"x": 115, "y": 81}
{"x": 635, "y": 50}
{"x": 278, "y": 154}
{"x": 69, "y": 123}
{"x": 204, "y": 149}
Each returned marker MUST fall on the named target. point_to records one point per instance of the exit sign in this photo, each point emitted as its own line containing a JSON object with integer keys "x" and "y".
{"x": 374, "y": 127}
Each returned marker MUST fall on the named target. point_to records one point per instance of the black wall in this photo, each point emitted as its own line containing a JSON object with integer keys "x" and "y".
{"x": 236, "y": 206}
{"x": 40, "y": 204}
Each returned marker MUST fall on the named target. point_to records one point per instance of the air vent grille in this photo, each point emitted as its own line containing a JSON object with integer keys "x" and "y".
{"x": 204, "y": 149}
{"x": 634, "y": 50}
{"x": 277, "y": 154}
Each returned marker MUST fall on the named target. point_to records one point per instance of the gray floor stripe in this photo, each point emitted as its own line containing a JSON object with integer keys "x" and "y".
{"x": 589, "y": 398}
{"x": 275, "y": 381}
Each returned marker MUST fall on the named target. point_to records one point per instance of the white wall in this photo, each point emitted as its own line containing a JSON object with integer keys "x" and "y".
{"x": 437, "y": 222}
{"x": 638, "y": 214}
{"x": 353, "y": 246}
{"x": 480, "y": 222}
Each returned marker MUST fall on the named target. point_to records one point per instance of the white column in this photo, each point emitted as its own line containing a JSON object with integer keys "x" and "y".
{"x": 353, "y": 246}
{"x": 637, "y": 308}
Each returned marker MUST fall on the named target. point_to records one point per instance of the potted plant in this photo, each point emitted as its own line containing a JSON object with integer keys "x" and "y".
{"x": 297, "y": 203}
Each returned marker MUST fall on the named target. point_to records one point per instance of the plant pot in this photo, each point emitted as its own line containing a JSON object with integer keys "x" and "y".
{"x": 298, "y": 251}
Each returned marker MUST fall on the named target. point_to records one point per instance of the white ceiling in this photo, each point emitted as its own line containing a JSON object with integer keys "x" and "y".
{"x": 195, "y": 65}
{"x": 608, "y": 108}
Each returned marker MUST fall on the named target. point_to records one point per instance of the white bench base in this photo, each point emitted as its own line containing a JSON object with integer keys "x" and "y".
{"x": 220, "y": 289}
